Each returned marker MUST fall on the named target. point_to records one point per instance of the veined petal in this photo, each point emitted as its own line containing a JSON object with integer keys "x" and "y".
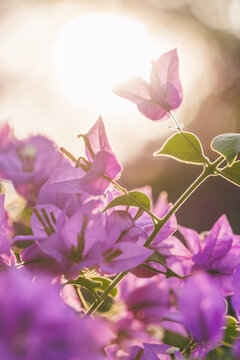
{"x": 131, "y": 256}
{"x": 152, "y": 110}
{"x": 192, "y": 239}
{"x": 106, "y": 164}
{"x": 165, "y": 76}
{"x": 65, "y": 179}
{"x": 98, "y": 139}
{"x": 135, "y": 90}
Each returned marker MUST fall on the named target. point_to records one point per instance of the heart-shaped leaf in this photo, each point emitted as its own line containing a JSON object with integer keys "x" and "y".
{"x": 132, "y": 198}
{"x": 227, "y": 145}
{"x": 232, "y": 173}
{"x": 184, "y": 147}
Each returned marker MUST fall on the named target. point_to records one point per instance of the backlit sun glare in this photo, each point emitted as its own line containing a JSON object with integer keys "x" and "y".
{"x": 95, "y": 52}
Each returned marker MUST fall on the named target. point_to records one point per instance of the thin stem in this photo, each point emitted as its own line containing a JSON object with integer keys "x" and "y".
{"x": 100, "y": 300}
{"x": 208, "y": 171}
{"x": 80, "y": 297}
{"x": 179, "y": 128}
{"x": 68, "y": 154}
{"x": 205, "y": 174}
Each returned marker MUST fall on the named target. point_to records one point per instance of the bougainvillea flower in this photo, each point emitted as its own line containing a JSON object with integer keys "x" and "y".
{"x": 7, "y": 257}
{"x": 217, "y": 254}
{"x": 67, "y": 241}
{"x": 92, "y": 175}
{"x": 97, "y": 140}
{"x": 123, "y": 244}
{"x": 28, "y": 164}
{"x": 55, "y": 190}
{"x": 83, "y": 240}
{"x": 150, "y": 352}
{"x": 147, "y": 299}
{"x": 236, "y": 288}
{"x": 6, "y": 137}
{"x": 6, "y": 141}
{"x": 205, "y": 319}
{"x": 37, "y": 324}
{"x": 160, "y": 209}
{"x": 4, "y": 229}
{"x": 162, "y": 94}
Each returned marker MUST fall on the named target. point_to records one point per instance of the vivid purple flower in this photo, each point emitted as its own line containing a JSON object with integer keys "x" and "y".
{"x": 51, "y": 191}
{"x": 84, "y": 240}
{"x": 160, "y": 208}
{"x": 202, "y": 309}
{"x": 150, "y": 352}
{"x": 4, "y": 229}
{"x": 64, "y": 242}
{"x": 28, "y": 164}
{"x": 128, "y": 331}
{"x": 147, "y": 299}
{"x": 162, "y": 94}
{"x": 217, "y": 253}
{"x": 37, "y": 324}
{"x": 92, "y": 175}
{"x": 7, "y": 257}
{"x": 236, "y": 288}
{"x": 123, "y": 245}
{"x": 6, "y": 141}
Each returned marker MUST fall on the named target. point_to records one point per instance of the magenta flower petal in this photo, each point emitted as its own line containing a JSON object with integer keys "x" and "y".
{"x": 106, "y": 164}
{"x": 135, "y": 90}
{"x": 65, "y": 179}
{"x": 6, "y": 137}
{"x": 4, "y": 242}
{"x": 206, "y": 318}
{"x": 192, "y": 239}
{"x": 96, "y": 180}
{"x": 130, "y": 256}
{"x": 98, "y": 139}
{"x": 217, "y": 243}
{"x": 153, "y": 111}
{"x": 165, "y": 78}
{"x": 162, "y": 94}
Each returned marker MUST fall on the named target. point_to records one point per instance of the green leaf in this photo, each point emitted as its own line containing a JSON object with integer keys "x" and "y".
{"x": 132, "y": 198}
{"x": 231, "y": 330}
{"x": 158, "y": 258}
{"x": 96, "y": 283}
{"x": 232, "y": 173}
{"x": 227, "y": 145}
{"x": 105, "y": 284}
{"x": 87, "y": 283}
{"x": 184, "y": 147}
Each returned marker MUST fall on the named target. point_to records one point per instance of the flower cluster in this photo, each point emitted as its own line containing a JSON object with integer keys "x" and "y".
{"x": 86, "y": 233}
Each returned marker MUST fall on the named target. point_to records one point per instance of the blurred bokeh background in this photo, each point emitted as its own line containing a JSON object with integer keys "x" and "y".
{"x": 59, "y": 60}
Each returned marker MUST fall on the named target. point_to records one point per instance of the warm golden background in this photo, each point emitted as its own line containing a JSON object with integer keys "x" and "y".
{"x": 60, "y": 59}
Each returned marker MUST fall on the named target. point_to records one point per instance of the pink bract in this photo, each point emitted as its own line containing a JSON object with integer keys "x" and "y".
{"x": 164, "y": 92}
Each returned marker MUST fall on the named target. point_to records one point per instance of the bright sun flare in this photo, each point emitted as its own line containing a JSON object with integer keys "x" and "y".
{"x": 95, "y": 52}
